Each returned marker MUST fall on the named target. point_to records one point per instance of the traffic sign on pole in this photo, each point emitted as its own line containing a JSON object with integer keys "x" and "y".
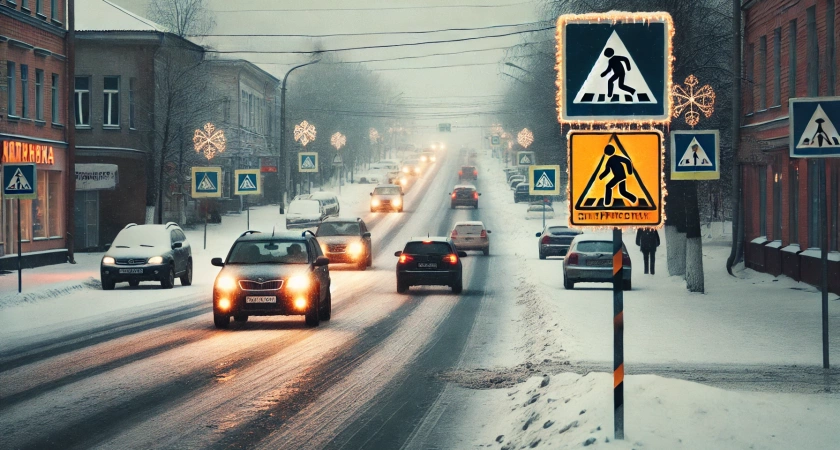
{"x": 695, "y": 155}
{"x": 525, "y": 158}
{"x": 247, "y": 182}
{"x": 495, "y": 140}
{"x": 206, "y": 182}
{"x": 307, "y": 162}
{"x": 544, "y": 180}
{"x": 814, "y": 124}
{"x": 19, "y": 181}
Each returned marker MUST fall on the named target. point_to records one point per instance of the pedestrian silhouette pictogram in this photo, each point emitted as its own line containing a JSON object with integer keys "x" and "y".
{"x": 820, "y": 132}
{"x": 18, "y": 182}
{"x": 612, "y": 173}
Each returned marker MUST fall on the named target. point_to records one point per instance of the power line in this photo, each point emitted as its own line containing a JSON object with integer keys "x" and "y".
{"x": 379, "y": 33}
{"x": 371, "y": 8}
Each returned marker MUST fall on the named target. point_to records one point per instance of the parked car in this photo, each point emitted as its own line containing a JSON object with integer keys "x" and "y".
{"x": 535, "y": 211}
{"x": 304, "y": 213}
{"x": 345, "y": 240}
{"x": 386, "y": 197}
{"x": 590, "y": 259}
{"x": 522, "y": 193}
{"x": 555, "y": 240}
{"x": 430, "y": 261}
{"x": 515, "y": 180}
{"x": 467, "y": 173}
{"x": 272, "y": 274}
{"x": 471, "y": 235}
{"x": 464, "y": 195}
{"x": 147, "y": 253}
{"x": 329, "y": 201}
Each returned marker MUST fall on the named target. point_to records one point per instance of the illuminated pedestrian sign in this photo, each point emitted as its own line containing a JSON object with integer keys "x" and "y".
{"x": 814, "y": 126}
{"x": 495, "y": 140}
{"x": 20, "y": 181}
{"x": 614, "y": 67}
{"x": 247, "y": 182}
{"x": 307, "y": 162}
{"x": 615, "y": 178}
{"x": 695, "y": 155}
{"x": 544, "y": 180}
{"x": 206, "y": 182}
{"x": 525, "y": 158}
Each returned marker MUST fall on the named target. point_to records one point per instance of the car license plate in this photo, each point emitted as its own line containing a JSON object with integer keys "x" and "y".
{"x": 468, "y": 239}
{"x": 131, "y": 270}
{"x": 599, "y": 262}
{"x": 261, "y": 299}
{"x": 427, "y": 265}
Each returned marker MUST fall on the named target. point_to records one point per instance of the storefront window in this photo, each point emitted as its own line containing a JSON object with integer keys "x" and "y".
{"x": 45, "y": 210}
{"x": 53, "y": 206}
{"x": 39, "y": 206}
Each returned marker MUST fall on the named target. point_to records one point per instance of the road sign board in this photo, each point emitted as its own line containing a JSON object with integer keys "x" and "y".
{"x": 337, "y": 161}
{"x": 525, "y": 158}
{"x": 614, "y": 66}
{"x": 307, "y": 162}
{"x": 445, "y": 127}
{"x": 814, "y": 124}
{"x": 544, "y": 180}
{"x": 495, "y": 140}
{"x": 695, "y": 155}
{"x": 206, "y": 182}
{"x": 615, "y": 178}
{"x": 19, "y": 181}
{"x": 248, "y": 182}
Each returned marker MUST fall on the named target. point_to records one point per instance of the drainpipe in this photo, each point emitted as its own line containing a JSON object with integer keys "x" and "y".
{"x": 70, "y": 134}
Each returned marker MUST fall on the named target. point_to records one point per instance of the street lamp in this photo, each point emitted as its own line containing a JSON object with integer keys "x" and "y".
{"x": 283, "y": 128}
{"x": 338, "y": 140}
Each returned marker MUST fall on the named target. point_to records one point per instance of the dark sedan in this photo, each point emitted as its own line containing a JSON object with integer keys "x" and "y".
{"x": 148, "y": 253}
{"x": 346, "y": 240}
{"x": 430, "y": 261}
{"x": 555, "y": 240}
{"x": 464, "y": 195}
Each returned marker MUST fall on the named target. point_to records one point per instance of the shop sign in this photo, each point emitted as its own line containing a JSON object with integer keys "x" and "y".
{"x": 95, "y": 177}
{"x": 25, "y": 152}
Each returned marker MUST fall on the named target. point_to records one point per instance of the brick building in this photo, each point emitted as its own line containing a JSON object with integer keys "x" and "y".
{"x": 790, "y": 50}
{"x": 33, "y": 108}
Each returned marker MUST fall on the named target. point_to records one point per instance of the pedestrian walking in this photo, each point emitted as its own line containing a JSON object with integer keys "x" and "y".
{"x": 648, "y": 239}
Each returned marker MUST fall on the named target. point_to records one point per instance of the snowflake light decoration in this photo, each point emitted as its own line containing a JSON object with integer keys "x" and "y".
{"x": 304, "y": 133}
{"x": 497, "y": 129}
{"x": 338, "y": 140}
{"x": 209, "y": 141}
{"x": 693, "y": 101}
{"x": 374, "y": 135}
{"x": 525, "y": 138}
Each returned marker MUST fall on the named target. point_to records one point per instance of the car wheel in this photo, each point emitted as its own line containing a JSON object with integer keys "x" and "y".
{"x": 326, "y": 311}
{"x": 402, "y": 287}
{"x": 107, "y": 284}
{"x": 134, "y": 283}
{"x": 458, "y": 287}
{"x": 567, "y": 283}
{"x": 312, "y": 315}
{"x": 186, "y": 278}
{"x": 240, "y": 318}
{"x": 168, "y": 282}
{"x": 487, "y": 251}
{"x": 221, "y": 320}
{"x": 451, "y": 206}
{"x": 476, "y": 205}
{"x": 627, "y": 285}
{"x": 542, "y": 255}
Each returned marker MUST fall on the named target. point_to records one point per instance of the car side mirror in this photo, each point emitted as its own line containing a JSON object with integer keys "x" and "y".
{"x": 539, "y": 234}
{"x": 177, "y": 245}
{"x": 366, "y": 234}
{"x": 479, "y": 193}
{"x": 371, "y": 194}
{"x": 321, "y": 261}
{"x": 488, "y": 231}
{"x": 462, "y": 253}
{"x": 397, "y": 253}
{"x": 217, "y": 262}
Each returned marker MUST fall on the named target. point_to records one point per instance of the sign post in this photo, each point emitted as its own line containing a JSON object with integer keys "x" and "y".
{"x": 206, "y": 182}
{"x": 545, "y": 181}
{"x": 20, "y": 182}
{"x": 248, "y": 182}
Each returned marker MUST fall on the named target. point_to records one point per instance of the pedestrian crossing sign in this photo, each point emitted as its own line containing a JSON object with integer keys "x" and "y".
{"x": 20, "y": 181}
{"x": 525, "y": 158}
{"x": 695, "y": 155}
{"x": 247, "y": 182}
{"x": 307, "y": 162}
{"x": 544, "y": 180}
{"x": 614, "y": 67}
{"x": 814, "y": 124}
{"x": 206, "y": 182}
{"x": 615, "y": 178}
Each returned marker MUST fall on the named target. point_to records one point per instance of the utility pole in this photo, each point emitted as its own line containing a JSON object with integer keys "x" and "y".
{"x": 737, "y": 208}
{"x": 70, "y": 189}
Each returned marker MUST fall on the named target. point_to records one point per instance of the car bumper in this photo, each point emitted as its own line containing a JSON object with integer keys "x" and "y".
{"x": 593, "y": 274}
{"x": 146, "y": 272}
{"x": 386, "y": 207}
{"x": 469, "y": 202}
{"x": 554, "y": 250}
{"x": 284, "y": 304}
{"x": 471, "y": 245}
{"x": 344, "y": 257}
{"x": 428, "y": 277}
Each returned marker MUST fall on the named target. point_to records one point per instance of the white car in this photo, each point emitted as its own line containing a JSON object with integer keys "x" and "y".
{"x": 471, "y": 235}
{"x": 535, "y": 211}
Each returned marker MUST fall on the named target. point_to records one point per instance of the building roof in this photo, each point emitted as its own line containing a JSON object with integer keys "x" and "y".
{"x": 103, "y": 15}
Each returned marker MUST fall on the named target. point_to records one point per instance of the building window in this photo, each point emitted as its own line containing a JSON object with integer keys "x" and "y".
{"x": 54, "y": 9}
{"x": 111, "y": 107}
{"x": 792, "y": 59}
{"x": 10, "y": 83}
{"x": 24, "y": 90}
{"x": 54, "y": 204}
{"x": 814, "y": 213}
{"x": 813, "y": 53}
{"x": 45, "y": 210}
{"x": 55, "y": 106}
{"x": 793, "y": 201}
{"x": 131, "y": 123}
{"x": 750, "y": 82}
{"x": 762, "y": 73}
{"x": 24, "y": 4}
{"x": 39, "y": 7}
{"x": 777, "y": 206}
{"x": 39, "y": 94}
{"x": 82, "y": 101}
{"x": 777, "y": 67}
{"x": 762, "y": 200}
{"x": 830, "y": 47}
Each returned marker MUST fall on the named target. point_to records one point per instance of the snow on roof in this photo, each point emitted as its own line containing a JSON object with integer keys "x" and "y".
{"x": 102, "y": 15}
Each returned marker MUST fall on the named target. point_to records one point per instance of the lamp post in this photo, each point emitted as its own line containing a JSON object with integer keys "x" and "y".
{"x": 283, "y": 154}
{"x": 338, "y": 140}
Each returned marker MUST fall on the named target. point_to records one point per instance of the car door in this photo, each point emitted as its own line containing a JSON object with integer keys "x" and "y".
{"x": 368, "y": 243}
{"x": 322, "y": 273}
{"x": 177, "y": 253}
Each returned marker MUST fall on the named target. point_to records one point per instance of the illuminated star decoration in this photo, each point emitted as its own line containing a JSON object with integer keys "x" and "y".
{"x": 693, "y": 101}
{"x": 304, "y": 133}
{"x": 209, "y": 141}
{"x": 338, "y": 140}
{"x": 374, "y": 135}
{"x": 525, "y": 137}
{"x": 497, "y": 129}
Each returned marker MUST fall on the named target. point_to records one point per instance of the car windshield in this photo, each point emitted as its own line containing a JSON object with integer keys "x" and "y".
{"x": 387, "y": 191}
{"x": 269, "y": 252}
{"x": 468, "y": 168}
{"x": 305, "y": 207}
{"x": 427, "y": 248}
{"x": 338, "y": 229}
{"x": 595, "y": 247}
{"x": 142, "y": 236}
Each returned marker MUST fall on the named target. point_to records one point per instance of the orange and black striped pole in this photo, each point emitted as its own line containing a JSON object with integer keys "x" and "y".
{"x": 618, "y": 334}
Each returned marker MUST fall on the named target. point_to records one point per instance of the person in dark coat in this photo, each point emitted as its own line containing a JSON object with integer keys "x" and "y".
{"x": 648, "y": 239}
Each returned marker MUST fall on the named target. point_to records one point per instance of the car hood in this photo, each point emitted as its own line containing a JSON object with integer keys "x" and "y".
{"x": 338, "y": 239}
{"x": 137, "y": 252}
{"x": 293, "y": 217}
{"x": 265, "y": 271}
{"x": 386, "y": 196}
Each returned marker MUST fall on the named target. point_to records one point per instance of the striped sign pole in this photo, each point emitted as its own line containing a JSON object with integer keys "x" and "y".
{"x": 618, "y": 335}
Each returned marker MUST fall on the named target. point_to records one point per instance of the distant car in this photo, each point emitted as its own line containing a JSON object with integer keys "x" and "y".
{"x": 555, "y": 240}
{"x": 147, "y": 253}
{"x": 427, "y": 157}
{"x": 305, "y": 213}
{"x": 412, "y": 168}
{"x": 515, "y": 180}
{"x": 522, "y": 193}
{"x": 430, "y": 261}
{"x": 329, "y": 200}
{"x": 468, "y": 173}
{"x": 535, "y": 211}
{"x": 471, "y": 235}
{"x": 272, "y": 274}
{"x": 464, "y": 195}
{"x": 590, "y": 259}
{"x": 345, "y": 240}
{"x": 386, "y": 197}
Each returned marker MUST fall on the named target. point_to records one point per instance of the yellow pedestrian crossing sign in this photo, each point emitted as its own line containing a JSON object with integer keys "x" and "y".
{"x": 206, "y": 182}
{"x": 247, "y": 182}
{"x": 307, "y": 162}
{"x": 544, "y": 180}
{"x": 20, "y": 181}
{"x": 615, "y": 178}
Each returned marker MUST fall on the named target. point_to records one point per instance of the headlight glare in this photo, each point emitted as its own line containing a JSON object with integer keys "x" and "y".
{"x": 108, "y": 260}
{"x": 156, "y": 260}
{"x": 355, "y": 249}
{"x": 298, "y": 283}
{"x": 374, "y": 202}
{"x": 396, "y": 202}
{"x": 225, "y": 284}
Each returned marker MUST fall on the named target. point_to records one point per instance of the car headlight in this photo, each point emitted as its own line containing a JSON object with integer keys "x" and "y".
{"x": 396, "y": 202}
{"x": 225, "y": 284}
{"x": 323, "y": 248}
{"x": 298, "y": 283}
{"x": 355, "y": 249}
{"x": 416, "y": 170}
{"x": 374, "y": 202}
{"x": 108, "y": 260}
{"x": 405, "y": 169}
{"x": 156, "y": 260}
{"x": 434, "y": 159}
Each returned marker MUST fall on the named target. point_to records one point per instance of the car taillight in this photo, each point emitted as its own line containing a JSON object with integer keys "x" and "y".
{"x": 454, "y": 234}
{"x": 545, "y": 239}
{"x": 572, "y": 259}
{"x": 405, "y": 258}
{"x": 475, "y": 195}
{"x": 483, "y": 233}
{"x": 451, "y": 258}
{"x": 475, "y": 173}
{"x": 453, "y": 195}
{"x": 625, "y": 260}
{"x": 460, "y": 173}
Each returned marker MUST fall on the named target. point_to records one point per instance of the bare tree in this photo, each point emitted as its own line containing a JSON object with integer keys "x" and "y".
{"x": 182, "y": 17}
